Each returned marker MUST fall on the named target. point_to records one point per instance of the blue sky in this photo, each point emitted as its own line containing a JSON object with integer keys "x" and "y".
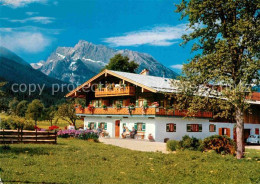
{"x": 35, "y": 28}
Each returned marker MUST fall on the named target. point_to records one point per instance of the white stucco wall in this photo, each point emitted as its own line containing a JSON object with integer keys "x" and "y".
{"x": 157, "y": 127}
{"x": 150, "y": 123}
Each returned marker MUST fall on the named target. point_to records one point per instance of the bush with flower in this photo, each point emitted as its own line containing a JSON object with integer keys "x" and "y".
{"x": 81, "y": 134}
{"x": 53, "y": 127}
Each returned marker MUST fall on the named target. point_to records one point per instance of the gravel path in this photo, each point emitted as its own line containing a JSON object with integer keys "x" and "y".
{"x": 143, "y": 145}
{"x": 133, "y": 144}
{"x": 253, "y": 147}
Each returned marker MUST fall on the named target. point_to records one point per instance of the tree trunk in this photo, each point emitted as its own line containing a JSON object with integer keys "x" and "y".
{"x": 240, "y": 133}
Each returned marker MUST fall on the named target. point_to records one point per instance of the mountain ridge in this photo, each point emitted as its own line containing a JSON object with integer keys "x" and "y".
{"x": 79, "y": 63}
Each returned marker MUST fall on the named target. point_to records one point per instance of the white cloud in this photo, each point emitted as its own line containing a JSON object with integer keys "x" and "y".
{"x": 31, "y": 13}
{"x": 22, "y": 39}
{"x": 20, "y": 3}
{"x": 178, "y": 66}
{"x": 157, "y": 36}
{"x": 42, "y": 20}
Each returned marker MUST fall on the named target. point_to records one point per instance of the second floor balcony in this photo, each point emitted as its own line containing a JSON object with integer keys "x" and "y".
{"x": 151, "y": 111}
{"x": 115, "y": 91}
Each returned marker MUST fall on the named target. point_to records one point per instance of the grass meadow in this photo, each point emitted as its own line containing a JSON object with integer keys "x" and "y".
{"x": 78, "y": 161}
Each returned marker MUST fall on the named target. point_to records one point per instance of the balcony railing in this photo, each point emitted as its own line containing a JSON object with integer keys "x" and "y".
{"x": 116, "y": 91}
{"x": 139, "y": 111}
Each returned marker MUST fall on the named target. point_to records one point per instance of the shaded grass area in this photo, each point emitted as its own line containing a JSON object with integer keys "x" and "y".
{"x": 78, "y": 161}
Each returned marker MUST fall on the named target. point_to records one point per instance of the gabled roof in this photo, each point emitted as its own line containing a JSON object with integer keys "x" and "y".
{"x": 151, "y": 83}
{"x": 158, "y": 84}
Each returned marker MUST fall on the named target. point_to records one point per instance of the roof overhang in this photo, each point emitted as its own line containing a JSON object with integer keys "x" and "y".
{"x": 105, "y": 72}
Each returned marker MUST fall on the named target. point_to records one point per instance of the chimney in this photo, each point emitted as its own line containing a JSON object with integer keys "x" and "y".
{"x": 144, "y": 72}
{"x": 163, "y": 73}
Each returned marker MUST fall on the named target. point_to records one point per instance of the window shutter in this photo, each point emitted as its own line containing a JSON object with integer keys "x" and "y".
{"x": 143, "y": 127}
{"x": 88, "y": 125}
{"x": 168, "y": 127}
{"x": 145, "y": 102}
{"x": 135, "y": 126}
{"x": 220, "y": 131}
{"x": 95, "y": 125}
{"x": 200, "y": 128}
{"x": 105, "y": 126}
{"x": 215, "y": 128}
{"x": 98, "y": 125}
{"x": 136, "y": 103}
{"x": 257, "y": 131}
{"x": 228, "y": 132}
{"x": 174, "y": 128}
{"x": 188, "y": 128}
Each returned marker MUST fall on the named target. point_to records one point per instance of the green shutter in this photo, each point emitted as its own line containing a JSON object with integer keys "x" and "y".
{"x": 167, "y": 127}
{"x": 145, "y": 102}
{"x": 174, "y": 127}
{"x": 95, "y": 125}
{"x": 200, "y": 127}
{"x": 215, "y": 128}
{"x": 136, "y": 103}
{"x": 105, "y": 127}
{"x": 188, "y": 128}
{"x": 143, "y": 127}
{"x": 88, "y": 125}
{"x": 98, "y": 125}
{"x": 135, "y": 126}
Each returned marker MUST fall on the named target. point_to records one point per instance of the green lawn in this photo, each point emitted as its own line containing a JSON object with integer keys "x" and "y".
{"x": 78, "y": 161}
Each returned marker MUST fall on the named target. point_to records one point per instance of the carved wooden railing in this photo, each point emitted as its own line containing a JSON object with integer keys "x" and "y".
{"x": 139, "y": 111}
{"x": 116, "y": 91}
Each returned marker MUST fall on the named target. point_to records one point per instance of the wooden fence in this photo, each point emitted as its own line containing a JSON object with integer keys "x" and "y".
{"x": 31, "y": 137}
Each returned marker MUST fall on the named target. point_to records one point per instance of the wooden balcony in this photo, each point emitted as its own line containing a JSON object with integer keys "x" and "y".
{"x": 116, "y": 91}
{"x": 139, "y": 111}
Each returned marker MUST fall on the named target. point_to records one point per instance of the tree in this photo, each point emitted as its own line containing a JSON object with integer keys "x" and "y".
{"x": 35, "y": 110}
{"x": 1, "y": 91}
{"x": 49, "y": 114}
{"x": 67, "y": 113}
{"x": 226, "y": 36}
{"x": 121, "y": 63}
{"x": 21, "y": 108}
{"x": 13, "y": 104}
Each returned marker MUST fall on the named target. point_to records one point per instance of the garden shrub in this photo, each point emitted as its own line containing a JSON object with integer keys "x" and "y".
{"x": 81, "y": 134}
{"x": 221, "y": 144}
{"x": 88, "y": 136}
{"x": 189, "y": 143}
{"x": 5, "y": 124}
{"x": 172, "y": 145}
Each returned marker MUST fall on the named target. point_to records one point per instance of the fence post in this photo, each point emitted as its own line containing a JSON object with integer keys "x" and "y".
{"x": 36, "y": 133}
{"x": 55, "y": 137}
{"x": 21, "y": 134}
{"x": 3, "y": 135}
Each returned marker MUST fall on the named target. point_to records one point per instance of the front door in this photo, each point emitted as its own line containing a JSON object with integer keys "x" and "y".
{"x": 117, "y": 128}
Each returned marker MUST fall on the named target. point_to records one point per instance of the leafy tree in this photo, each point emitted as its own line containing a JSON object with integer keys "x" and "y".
{"x": 121, "y": 63}
{"x": 67, "y": 113}
{"x": 35, "y": 110}
{"x": 13, "y": 104}
{"x": 226, "y": 36}
{"x": 21, "y": 108}
{"x": 4, "y": 104}
{"x": 49, "y": 114}
{"x": 1, "y": 91}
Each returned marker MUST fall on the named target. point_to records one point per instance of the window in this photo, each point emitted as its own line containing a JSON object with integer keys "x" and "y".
{"x": 102, "y": 125}
{"x": 257, "y": 131}
{"x": 92, "y": 125}
{"x": 170, "y": 127}
{"x": 212, "y": 128}
{"x": 194, "y": 127}
{"x": 224, "y": 131}
{"x": 140, "y": 126}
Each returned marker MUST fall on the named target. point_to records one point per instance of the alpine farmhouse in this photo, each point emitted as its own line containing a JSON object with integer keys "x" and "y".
{"x": 114, "y": 100}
